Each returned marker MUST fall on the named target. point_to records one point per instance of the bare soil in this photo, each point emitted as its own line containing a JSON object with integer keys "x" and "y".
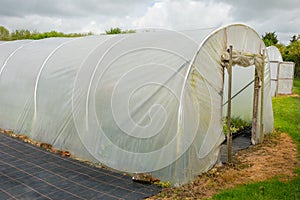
{"x": 275, "y": 157}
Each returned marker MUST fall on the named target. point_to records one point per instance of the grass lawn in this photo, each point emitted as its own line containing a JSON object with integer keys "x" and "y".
{"x": 286, "y": 119}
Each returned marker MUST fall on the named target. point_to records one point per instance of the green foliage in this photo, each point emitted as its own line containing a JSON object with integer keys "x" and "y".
{"x": 270, "y": 38}
{"x": 27, "y": 34}
{"x": 118, "y": 31}
{"x": 37, "y": 36}
{"x": 163, "y": 184}
{"x": 34, "y": 35}
{"x": 114, "y": 31}
{"x": 236, "y": 124}
{"x": 292, "y": 53}
{"x": 20, "y": 34}
{"x": 286, "y": 116}
{"x": 294, "y": 38}
{"x": 4, "y": 33}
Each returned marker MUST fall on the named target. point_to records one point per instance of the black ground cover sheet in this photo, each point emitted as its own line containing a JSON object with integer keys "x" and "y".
{"x": 28, "y": 172}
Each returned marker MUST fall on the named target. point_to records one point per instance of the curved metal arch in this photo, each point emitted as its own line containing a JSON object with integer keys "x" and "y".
{"x": 12, "y": 54}
{"x": 40, "y": 72}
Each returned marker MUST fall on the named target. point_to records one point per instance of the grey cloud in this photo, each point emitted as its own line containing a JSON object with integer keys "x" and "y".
{"x": 281, "y": 16}
{"x": 70, "y": 8}
{"x": 260, "y": 9}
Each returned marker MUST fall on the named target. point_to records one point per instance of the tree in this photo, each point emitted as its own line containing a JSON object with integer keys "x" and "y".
{"x": 4, "y": 33}
{"x": 270, "y": 38}
{"x": 27, "y": 34}
{"x": 114, "y": 31}
{"x": 292, "y": 53}
{"x": 20, "y": 34}
{"x": 293, "y": 39}
{"x": 118, "y": 31}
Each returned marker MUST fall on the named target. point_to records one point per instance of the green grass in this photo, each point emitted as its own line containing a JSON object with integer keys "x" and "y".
{"x": 272, "y": 189}
{"x": 286, "y": 119}
{"x": 296, "y": 88}
{"x": 287, "y": 114}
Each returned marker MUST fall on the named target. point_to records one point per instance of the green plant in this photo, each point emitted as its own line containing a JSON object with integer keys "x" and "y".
{"x": 4, "y": 33}
{"x": 236, "y": 124}
{"x": 113, "y": 31}
{"x": 291, "y": 52}
{"x": 163, "y": 184}
{"x": 34, "y": 35}
{"x": 270, "y": 38}
{"x": 118, "y": 31}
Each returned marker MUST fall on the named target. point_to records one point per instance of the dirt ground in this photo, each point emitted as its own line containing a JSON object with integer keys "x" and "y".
{"x": 275, "y": 157}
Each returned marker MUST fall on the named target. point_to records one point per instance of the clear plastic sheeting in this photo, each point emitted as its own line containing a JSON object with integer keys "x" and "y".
{"x": 274, "y": 54}
{"x": 143, "y": 102}
{"x": 282, "y": 73}
{"x": 285, "y": 77}
{"x": 275, "y": 58}
{"x": 274, "y": 77}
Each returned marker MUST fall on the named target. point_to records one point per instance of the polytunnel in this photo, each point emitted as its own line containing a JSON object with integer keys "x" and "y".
{"x": 150, "y": 102}
{"x": 282, "y": 72}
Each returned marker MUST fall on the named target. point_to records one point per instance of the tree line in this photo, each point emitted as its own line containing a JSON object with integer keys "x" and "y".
{"x": 290, "y": 52}
{"x": 117, "y": 30}
{"x": 23, "y": 34}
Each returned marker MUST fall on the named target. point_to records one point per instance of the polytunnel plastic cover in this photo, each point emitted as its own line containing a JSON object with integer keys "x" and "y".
{"x": 144, "y": 102}
{"x": 282, "y": 72}
{"x": 285, "y": 77}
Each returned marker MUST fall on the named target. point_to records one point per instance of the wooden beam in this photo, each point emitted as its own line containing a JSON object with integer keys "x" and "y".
{"x": 261, "y": 138}
{"x": 229, "y": 135}
{"x": 255, "y": 108}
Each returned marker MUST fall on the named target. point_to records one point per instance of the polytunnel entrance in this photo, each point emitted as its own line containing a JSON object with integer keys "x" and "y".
{"x": 242, "y": 99}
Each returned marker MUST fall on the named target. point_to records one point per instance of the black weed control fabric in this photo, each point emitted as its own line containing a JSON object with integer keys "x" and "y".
{"x": 28, "y": 172}
{"x": 240, "y": 141}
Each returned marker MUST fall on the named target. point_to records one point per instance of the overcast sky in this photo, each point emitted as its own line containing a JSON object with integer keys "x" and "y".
{"x": 281, "y": 16}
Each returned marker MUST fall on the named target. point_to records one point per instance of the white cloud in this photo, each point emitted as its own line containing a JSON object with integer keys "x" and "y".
{"x": 268, "y": 16}
{"x": 184, "y": 15}
{"x": 32, "y": 22}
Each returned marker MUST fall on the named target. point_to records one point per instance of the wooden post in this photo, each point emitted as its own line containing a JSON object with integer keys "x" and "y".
{"x": 229, "y": 136}
{"x": 255, "y": 108}
{"x": 261, "y": 138}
